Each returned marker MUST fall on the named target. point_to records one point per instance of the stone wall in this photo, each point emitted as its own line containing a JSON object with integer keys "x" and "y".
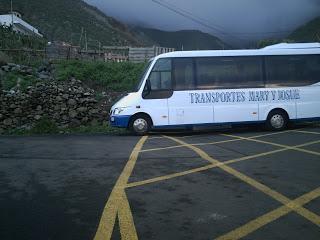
{"x": 67, "y": 104}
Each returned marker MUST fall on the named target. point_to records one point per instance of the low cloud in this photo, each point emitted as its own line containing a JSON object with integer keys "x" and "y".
{"x": 231, "y": 20}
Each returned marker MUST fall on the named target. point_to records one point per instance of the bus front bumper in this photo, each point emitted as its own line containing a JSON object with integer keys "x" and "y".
{"x": 120, "y": 121}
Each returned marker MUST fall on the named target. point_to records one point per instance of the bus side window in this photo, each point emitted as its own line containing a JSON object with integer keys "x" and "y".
{"x": 184, "y": 74}
{"x": 292, "y": 70}
{"x": 160, "y": 77}
{"x": 229, "y": 72}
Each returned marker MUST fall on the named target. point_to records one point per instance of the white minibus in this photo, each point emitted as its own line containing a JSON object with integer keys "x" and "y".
{"x": 273, "y": 85}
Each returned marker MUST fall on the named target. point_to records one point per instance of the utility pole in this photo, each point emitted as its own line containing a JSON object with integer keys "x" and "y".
{"x": 81, "y": 37}
{"x": 85, "y": 39}
{"x": 11, "y": 8}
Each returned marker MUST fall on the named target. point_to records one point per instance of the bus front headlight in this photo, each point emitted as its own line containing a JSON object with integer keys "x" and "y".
{"x": 117, "y": 111}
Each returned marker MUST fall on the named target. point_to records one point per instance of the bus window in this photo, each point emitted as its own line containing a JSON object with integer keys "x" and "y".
{"x": 143, "y": 75}
{"x": 229, "y": 72}
{"x": 292, "y": 70}
{"x": 160, "y": 77}
{"x": 183, "y": 74}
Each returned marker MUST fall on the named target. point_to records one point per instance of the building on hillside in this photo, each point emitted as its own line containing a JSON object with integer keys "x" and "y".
{"x": 19, "y": 25}
{"x": 145, "y": 54}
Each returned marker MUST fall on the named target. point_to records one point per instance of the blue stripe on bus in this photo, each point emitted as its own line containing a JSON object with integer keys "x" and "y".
{"x": 315, "y": 119}
{"x": 121, "y": 121}
{"x": 207, "y": 124}
{"x": 230, "y": 123}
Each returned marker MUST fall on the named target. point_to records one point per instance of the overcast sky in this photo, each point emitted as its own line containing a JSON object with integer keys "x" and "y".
{"x": 228, "y": 19}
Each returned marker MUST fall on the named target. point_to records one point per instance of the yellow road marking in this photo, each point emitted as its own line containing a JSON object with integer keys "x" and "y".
{"x": 308, "y": 132}
{"x": 271, "y": 216}
{"x": 151, "y": 138}
{"x": 210, "y": 143}
{"x": 118, "y": 203}
{"x": 210, "y": 166}
{"x": 126, "y": 223}
{"x": 275, "y": 144}
{"x": 263, "y": 188}
{"x": 169, "y": 176}
{"x": 162, "y": 148}
{"x": 199, "y": 169}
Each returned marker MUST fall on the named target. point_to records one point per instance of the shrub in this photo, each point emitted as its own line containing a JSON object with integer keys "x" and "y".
{"x": 101, "y": 75}
{"x": 10, "y": 80}
{"x": 44, "y": 126}
{"x": 4, "y": 59}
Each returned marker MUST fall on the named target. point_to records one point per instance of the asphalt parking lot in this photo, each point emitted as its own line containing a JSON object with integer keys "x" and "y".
{"x": 226, "y": 184}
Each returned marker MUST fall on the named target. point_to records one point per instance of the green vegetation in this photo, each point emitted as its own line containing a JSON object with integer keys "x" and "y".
{"x": 4, "y": 58}
{"x": 63, "y": 20}
{"x": 12, "y": 40}
{"x": 101, "y": 75}
{"x": 45, "y": 126}
{"x": 188, "y": 39}
{"x": 104, "y": 128}
{"x": 309, "y": 32}
{"x": 15, "y": 48}
{"x": 17, "y": 80}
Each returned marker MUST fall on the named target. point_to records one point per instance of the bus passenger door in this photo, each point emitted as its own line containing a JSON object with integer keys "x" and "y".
{"x": 157, "y": 90}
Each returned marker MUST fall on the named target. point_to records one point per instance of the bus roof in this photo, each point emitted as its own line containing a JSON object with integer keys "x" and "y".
{"x": 277, "y": 49}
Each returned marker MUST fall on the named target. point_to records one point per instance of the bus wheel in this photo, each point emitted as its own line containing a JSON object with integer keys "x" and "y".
{"x": 277, "y": 120}
{"x": 140, "y": 124}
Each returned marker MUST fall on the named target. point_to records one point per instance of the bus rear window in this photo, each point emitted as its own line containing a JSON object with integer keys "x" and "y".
{"x": 292, "y": 70}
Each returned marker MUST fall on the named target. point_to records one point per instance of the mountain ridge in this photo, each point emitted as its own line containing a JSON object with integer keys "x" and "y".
{"x": 182, "y": 39}
{"x": 64, "y": 20}
{"x": 71, "y": 20}
{"x": 307, "y": 32}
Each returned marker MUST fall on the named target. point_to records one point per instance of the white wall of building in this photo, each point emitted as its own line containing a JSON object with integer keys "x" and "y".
{"x": 19, "y": 25}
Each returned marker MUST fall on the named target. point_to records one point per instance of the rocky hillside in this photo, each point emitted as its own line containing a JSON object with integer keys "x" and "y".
{"x": 186, "y": 39}
{"x": 63, "y": 20}
{"x": 309, "y": 32}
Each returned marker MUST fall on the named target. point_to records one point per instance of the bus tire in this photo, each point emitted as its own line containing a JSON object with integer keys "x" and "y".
{"x": 140, "y": 124}
{"x": 277, "y": 120}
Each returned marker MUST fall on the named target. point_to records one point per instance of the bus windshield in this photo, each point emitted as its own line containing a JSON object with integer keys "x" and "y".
{"x": 142, "y": 77}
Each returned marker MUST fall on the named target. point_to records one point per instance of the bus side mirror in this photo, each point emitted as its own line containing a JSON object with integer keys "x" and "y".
{"x": 147, "y": 89}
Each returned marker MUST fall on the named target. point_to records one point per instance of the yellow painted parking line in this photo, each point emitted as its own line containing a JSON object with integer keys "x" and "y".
{"x": 169, "y": 176}
{"x": 195, "y": 144}
{"x": 151, "y": 138}
{"x": 161, "y": 148}
{"x": 275, "y": 144}
{"x": 271, "y": 216}
{"x": 199, "y": 169}
{"x": 210, "y": 143}
{"x": 118, "y": 204}
{"x": 191, "y": 136}
{"x": 267, "y": 134}
{"x": 210, "y": 166}
{"x": 254, "y": 183}
{"x": 126, "y": 223}
{"x": 308, "y": 132}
